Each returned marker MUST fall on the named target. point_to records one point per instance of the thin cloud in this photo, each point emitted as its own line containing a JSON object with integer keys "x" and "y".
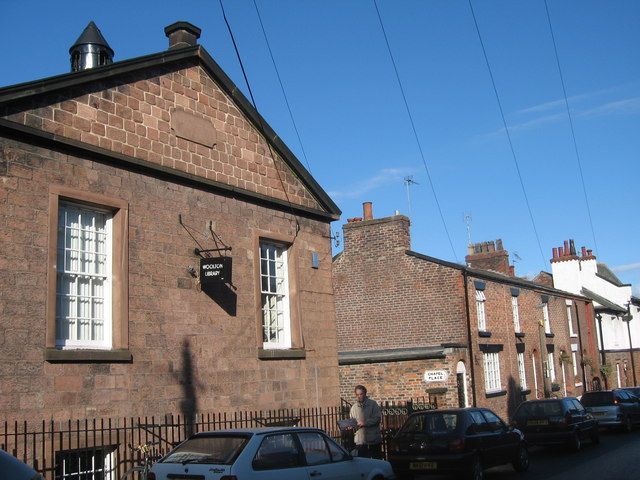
{"x": 618, "y": 107}
{"x": 629, "y": 267}
{"x": 628, "y": 105}
{"x": 384, "y": 177}
{"x": 553, "y": 104}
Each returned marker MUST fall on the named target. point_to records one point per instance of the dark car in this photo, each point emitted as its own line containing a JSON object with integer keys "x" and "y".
{"x": 613, "y": 408}
{"x": 561, "y": 421}
{"x": 461, "y": 441}
{"x": 633, "y": 391}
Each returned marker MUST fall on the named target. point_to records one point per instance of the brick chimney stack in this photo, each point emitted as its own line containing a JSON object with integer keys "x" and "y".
{"x": 568, "y": 252}
{"x": 379, "y": 236}
{"x": 182, "y": 34}
{"x": 489, "y": 256}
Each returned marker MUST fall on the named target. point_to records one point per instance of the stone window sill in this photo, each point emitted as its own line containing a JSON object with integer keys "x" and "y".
{"x": 499, "y": 393}
{"x": 281, "y": 354}
{"x": 54, "y": 355}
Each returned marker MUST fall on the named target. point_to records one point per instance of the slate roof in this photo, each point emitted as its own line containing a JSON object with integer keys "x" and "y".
{"x": 606, "y": 305}
{"x": 605, "y": 273}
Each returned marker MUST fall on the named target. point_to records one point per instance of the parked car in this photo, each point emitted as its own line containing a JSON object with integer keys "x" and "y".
{"x": 270, "y": 453}
{"x": 561, "y": 421}
{"x": 613, "y": 408}
{"x": 633, "y": 391}
{"x": 462, "y": 442}
{"x": 11, "y": 467}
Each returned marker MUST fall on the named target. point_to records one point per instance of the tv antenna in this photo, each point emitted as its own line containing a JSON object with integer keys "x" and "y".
{"x": 467, "y": 220}
{"x": 408, "y": 181}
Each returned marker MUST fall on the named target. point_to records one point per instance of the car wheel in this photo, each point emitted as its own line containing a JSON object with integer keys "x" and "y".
{"x": 521, "y": 463}
{"x": 576, "y": 443}
{"x": 595, "y": 436}
{"x": 627, "y": 426}
{"x": 476, "y": 472}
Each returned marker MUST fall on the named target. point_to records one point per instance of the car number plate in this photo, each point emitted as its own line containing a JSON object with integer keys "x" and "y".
{"x": 538, "y": 422}
{"x": 423, "y": 465}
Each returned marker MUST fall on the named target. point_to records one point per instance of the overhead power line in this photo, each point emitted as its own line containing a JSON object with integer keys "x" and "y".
{"x": 286, "y": 100}
{"x": 261, "y": 125}
{"x": 415, "y": 133}
{"x": 506, "y": 129}
{"x": 573, "y": 133}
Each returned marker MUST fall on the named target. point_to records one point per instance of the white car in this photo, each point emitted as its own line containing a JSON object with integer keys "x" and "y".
{"x": 270, "y": 453}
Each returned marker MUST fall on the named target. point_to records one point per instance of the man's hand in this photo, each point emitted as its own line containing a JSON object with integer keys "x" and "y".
{"x": 360, "y": 424}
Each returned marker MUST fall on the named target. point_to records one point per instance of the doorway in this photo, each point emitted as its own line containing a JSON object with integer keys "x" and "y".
{"x": 461, "y": 380}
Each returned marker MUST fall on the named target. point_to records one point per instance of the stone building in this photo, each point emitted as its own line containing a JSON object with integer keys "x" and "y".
{"x": 163, "y": 251}
{"x": 411, "y": 325}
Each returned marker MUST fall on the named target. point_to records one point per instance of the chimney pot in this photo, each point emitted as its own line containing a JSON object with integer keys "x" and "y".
{"x": 584, "y": 251}
{"x": 572, "y": 247}
{"x": 182, "y": 34}
{"x": 560, "y": 252}
{"x": 566, "y": 247}
{"x": 492, "y": 246}
{"x": 367, "y": 210}
{"x": 555, "y": 252}
{"x": 499, "y": 246}
{"x": 590, "y": 253}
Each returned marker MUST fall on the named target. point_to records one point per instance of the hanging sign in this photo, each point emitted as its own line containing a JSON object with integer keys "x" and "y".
{"x": 215, "y": 271}
{"x": 435, "y": 376}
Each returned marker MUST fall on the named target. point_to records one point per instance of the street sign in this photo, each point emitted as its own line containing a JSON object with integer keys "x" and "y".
{"x": 435, "y": 376}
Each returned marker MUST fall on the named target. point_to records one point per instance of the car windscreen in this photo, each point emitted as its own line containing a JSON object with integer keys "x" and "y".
{"x": 219, "y": 450}
{"x": 539, "y": 409}
{"x": 597, "y": 399}
{"x": 436, "y": 423}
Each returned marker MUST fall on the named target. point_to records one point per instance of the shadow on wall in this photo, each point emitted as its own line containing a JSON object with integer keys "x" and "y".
{"x": 514, "y": 397}
{"x": 224, "y": 296}
{"x": 186, "y": 378}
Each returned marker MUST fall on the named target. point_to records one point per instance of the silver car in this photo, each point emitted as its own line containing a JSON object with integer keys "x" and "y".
{"x": 273, "y": 453}
{"x": 613, "y": 408}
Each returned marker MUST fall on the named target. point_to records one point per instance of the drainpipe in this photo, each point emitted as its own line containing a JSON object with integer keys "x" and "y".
{"x": 471, "y": 362}
{"x": 633, "y": 363}
{"x": 603, "y": 358}
{"x": 584, "y": 375}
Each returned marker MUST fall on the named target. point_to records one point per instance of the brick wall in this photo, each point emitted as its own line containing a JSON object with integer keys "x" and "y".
{"x": 500, "y": 326}
{"x": 396, "y": 381}
{"x": 134, "y": 118}
{"x": 388, "y": 299}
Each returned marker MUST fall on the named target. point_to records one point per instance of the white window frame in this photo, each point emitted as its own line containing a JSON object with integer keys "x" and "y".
{"x": 574, "y": 359}
{"x": 108, "y": 472}
{"x": 522, "y": 371}
{"x": 516, "y": 314}
{"x": 480, "y": 310}
{"x": 275, "y": 297}
{"x": 545, "y": 316}
{"x": 78, "y": 307}
{"x": 492, "y": 381}
{"x": 572, "y": 333}
{"x": 551, "y": 368}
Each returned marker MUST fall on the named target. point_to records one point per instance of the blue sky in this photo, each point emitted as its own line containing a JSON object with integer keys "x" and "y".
{"x": 355, "y": 130}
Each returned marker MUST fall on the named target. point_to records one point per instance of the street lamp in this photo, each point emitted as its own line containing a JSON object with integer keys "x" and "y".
{"x": 627, "y": 319}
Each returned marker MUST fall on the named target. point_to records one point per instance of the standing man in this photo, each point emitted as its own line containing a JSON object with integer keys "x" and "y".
{"x": 366, "y": 412}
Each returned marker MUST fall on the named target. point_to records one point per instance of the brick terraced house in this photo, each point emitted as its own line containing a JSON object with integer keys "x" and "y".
{"x": 411, "y": 325}
{"x": 163, "y": 251}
